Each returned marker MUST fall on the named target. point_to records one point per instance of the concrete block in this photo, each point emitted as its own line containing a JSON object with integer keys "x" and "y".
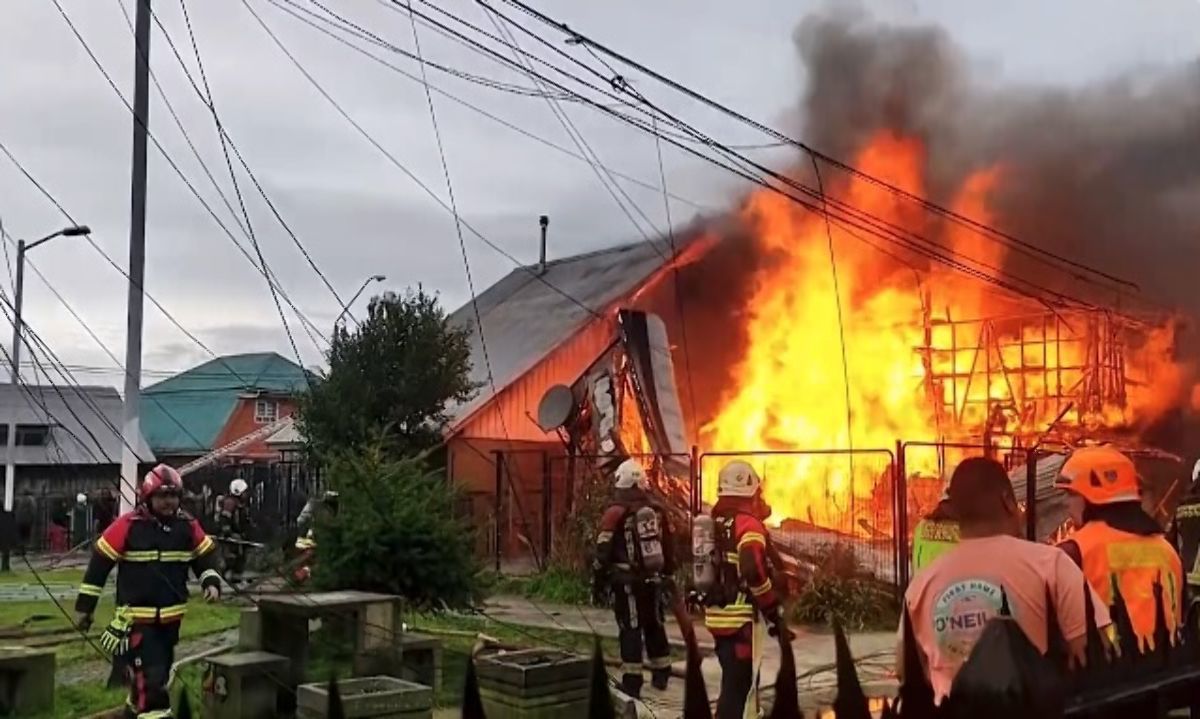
{"x": 26, "y": 680}
{"x": 534, "y": 684}
{"x": 411, "y": 656}
{"x": 368, "y": 698}
{"x": 250, "y": 630}
{"x": 243, "y": 684}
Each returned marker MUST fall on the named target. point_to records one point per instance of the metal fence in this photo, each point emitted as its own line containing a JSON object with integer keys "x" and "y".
{"x": 833, "y": 498}
{"x": 539, "y": 496}
{"x": 277, "y": 492}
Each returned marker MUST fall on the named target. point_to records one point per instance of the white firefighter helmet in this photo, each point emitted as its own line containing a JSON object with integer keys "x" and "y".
{"x": 738, "y": 479}
{"x": 81, "y": 498}
{"x": 237, "y": 487}
{"x": 631, "y": 474}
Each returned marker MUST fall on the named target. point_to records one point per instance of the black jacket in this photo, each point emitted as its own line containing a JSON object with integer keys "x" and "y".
{"x": 155, "y": 556}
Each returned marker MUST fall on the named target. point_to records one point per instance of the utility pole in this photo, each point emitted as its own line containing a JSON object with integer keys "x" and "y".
{"x": 131, "y": 425}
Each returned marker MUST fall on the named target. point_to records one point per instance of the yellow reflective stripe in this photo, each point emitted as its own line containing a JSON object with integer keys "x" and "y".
{"x": 210, "y": 574}
{"x": 90, "y": 590}
{"x": 205, "y": 546}
{"x": 761, "y": 589}
{"x": 304, "y": 543}
{"x": 658, "y": 662}
{"x": 631, "y": 668}
{"x": 727, "y": 622}
{"x": 603, "y": 537}
{"x": 156, "y": 714}
{"x": 176, "y": 556}
{"x": 107, "y": 550}
{"x": 751, "y": 538}
{"x": 1187, "y": 511}
{"x": 170, "y": 612}
{"x": 147, "y": 555}
{"x": 731, "y": 557}
{"x": 742, "y": 610}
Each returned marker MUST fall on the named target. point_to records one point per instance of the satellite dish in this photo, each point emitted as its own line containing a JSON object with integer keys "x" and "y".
{"x": 556, "y": 408}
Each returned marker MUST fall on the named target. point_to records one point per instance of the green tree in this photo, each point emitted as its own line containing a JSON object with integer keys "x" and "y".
{"x": 395, "y": 531}
{"x": 395, "y": 374}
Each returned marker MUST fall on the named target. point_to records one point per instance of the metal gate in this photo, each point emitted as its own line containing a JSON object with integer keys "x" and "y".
{"x": 833, "y": 498}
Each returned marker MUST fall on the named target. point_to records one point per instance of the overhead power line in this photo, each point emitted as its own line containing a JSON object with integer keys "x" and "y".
{"x": 1026, "y": 247}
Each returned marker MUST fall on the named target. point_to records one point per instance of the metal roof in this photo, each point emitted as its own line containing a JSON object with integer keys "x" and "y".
{"x": 186, "y": 413}
{"x": 526, "y": 315}
{"x": 84, "y": 424}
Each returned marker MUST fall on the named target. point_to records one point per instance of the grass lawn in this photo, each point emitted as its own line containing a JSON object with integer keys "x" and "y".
{"x": 59, "y": 575}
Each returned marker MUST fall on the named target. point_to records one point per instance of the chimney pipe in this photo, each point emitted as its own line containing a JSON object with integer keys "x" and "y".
{"x": 544, "y": 222}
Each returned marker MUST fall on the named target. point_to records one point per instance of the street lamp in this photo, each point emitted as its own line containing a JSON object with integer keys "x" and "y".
{"x": 10, "y": 468}
{"x": 369, "y": 280}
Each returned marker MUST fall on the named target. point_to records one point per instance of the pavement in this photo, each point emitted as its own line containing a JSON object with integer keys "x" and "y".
{"x": 813, "y": 650}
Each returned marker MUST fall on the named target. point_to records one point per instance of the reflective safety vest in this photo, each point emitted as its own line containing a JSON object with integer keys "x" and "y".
{"x": 1134, "y": 563}
{"x": 1187, "y": 526}
{"x": 931, "y": 539}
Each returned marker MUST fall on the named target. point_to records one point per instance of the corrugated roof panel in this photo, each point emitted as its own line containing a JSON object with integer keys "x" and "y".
{"x": 185, "y": 413}
{"x": 525, "y": 318}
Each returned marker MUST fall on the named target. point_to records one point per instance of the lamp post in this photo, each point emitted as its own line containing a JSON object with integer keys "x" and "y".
{"x": 369, "y": 280}
{"x": 10, "y": 468}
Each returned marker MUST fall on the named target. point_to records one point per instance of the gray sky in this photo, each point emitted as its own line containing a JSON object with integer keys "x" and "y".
{"x": 357, "y": 213}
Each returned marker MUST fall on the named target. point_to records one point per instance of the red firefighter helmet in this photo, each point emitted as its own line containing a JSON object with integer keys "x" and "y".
{"x": 161, "y": 478}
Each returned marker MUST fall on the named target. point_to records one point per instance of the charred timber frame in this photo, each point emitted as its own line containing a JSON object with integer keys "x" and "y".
{"x": 1094, "y": 382}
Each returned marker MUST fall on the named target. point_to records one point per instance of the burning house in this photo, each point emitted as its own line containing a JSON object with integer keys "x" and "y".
{"x": 854, "y": 342}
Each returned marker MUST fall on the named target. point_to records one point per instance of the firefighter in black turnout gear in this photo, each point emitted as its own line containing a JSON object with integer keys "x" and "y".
{"x": 233, "y": 525}
{"x": 634, "y": 560}
{"x": 154, "y": 546}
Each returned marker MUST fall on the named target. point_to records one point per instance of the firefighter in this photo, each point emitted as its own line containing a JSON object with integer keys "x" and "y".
{"x": 635, "y": 562}
{"x": 306, "y": 543}
{"x": 233, "y": 524}
{"x": 743, "y": 597}
{"x": 1187, "y": 531}
{"x": 154, "y": 545}
{"x": 1116, "y": 541}
{"x": 934, "y": 535}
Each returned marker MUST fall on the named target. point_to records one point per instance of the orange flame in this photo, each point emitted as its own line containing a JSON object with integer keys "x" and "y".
{"x": 923, "y": 359}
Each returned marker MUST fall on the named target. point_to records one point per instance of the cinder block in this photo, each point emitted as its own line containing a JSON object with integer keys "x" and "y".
{"x": 368, "y": 698}
{"x": 243, "y": 685}
{"x": 250, "y": 630}
{"x": 27, "y": 680}
{"x": 411, "y": 656}
{"x": 534, "y": 684}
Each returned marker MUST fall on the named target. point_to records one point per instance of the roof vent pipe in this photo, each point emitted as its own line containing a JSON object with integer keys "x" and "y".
{"x": 544, "y": 222}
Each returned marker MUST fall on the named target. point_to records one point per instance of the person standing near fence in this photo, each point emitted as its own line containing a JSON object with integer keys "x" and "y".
{"x": 152, "y": 548}
{"x": 955, "y": 597}
{"x": 634, "y": 560}
{"x": 744, "y": 596}
{"x": 233, "y": 526}
{"x": 1116, "y": 542}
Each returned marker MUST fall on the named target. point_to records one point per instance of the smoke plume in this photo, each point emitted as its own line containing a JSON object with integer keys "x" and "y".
{"x": 1107, "y": 175}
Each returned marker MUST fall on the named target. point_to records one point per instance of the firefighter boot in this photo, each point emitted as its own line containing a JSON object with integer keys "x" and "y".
{"x": 660, "y": 678}
{"x": 631, "y": 685}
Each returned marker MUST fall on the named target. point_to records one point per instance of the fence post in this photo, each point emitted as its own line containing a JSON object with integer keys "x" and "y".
{"x": 695, "y": 480}
{"x": 901, "y": 531}
{"x": 499, "y": 457}
{"x": 1031, "y": 494}
{"x": 547, "y": 509}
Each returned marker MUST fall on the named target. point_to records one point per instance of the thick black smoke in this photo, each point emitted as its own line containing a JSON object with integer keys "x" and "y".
{"x": 1108, "y": 175}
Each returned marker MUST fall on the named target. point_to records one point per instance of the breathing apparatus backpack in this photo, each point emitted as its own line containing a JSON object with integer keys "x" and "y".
{"x": 714, "y": 575}
{"x": 643, "y": 540}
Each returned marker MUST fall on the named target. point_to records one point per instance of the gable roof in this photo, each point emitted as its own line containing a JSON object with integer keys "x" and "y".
{"x": 84, "y": 422}
{"x": 185, "y": 413}
{"x": 525, "y": 317}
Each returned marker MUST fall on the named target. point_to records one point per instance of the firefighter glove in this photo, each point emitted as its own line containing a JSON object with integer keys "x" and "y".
{"x": 115, "y": 637}
{"x": 776, "y": 625}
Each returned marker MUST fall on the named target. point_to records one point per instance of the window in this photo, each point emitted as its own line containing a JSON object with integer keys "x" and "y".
{"x": 266, "y": 411}
{"x": 32, "y": 435}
